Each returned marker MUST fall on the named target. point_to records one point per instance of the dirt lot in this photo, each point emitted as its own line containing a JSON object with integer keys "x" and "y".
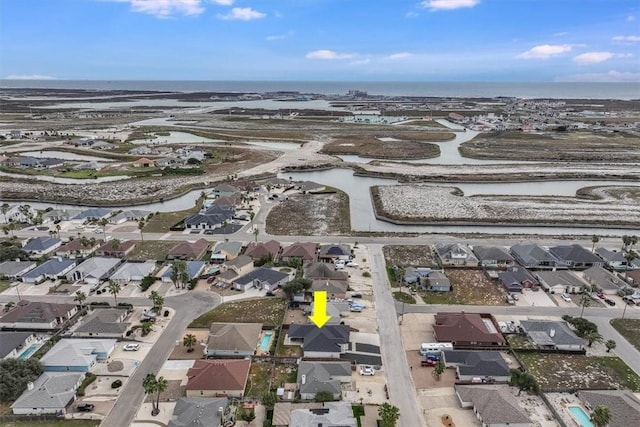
{"x": 180, "y": 351}
{"x": 310, "y": 214}
{"x": 559, "y": 372}
{"x": 151, "y": 249}
{"x": 555, "y": 146}
{"x": 630, "y": 329}
{"x": 470, "y": 287}
{"x": 410, "y": 256}
{"x": 268, "y": 311}
{"x": 370, "y": 146}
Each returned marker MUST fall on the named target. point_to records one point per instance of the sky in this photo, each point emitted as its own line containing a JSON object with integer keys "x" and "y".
{"x": 325, "y": 40}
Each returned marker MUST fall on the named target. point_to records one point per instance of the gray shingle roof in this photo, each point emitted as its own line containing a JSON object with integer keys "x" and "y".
{"x": 446, "y": 251}
{"x": 104, "y": 321}
{"x": 623, "y": 405}
{"x": 602, "y": 278}
{"x": 325, "y": 339}
{"x": 37, "y": 312}
{"x": 262, "y": 274}
{"x": 52, "y": 390}
{"x": 532, "y": 254}
{"x": 51, "y": 267}
{"x": 489, "y": 253}
{"x": 574, "y": 253}
{"x": 9, "y": 341}
{"x": 562, "y": 334}
{"x": 234, "y": 336}
{"x": 611, "y": 256}
{"x": 12, "y": 268}
{"x": 76, "y": 352}
{"x": 320, "y": 376}
{"x": 40, "y": 244}
{"x": 494, "y": 404}
{"x": 478, "y": 363}
{"x": 197, "y": 411}
{"x": 232, "y": 248}
{"x": 562, "y": 277}
{"x": 97, "y": 267}
{"x": 330, "y": 414}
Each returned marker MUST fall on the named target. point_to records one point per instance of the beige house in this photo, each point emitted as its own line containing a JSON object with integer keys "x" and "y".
{"x": 218, "y": 378}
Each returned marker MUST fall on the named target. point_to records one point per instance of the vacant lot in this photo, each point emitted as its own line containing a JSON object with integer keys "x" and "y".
{"x": 560, "y": 372}
{"x": 268, "y": 311}
{"x": 470, "y": 287}
{"x": 160, "y": 222}
{"x": 630, "y": 329}
{"x": 554, "y": 146}
{"x": 371, "y": 146}
{"x": 152, "y": 249}
{"x": 311, "y": 214}
{"x": 410, "y": 256}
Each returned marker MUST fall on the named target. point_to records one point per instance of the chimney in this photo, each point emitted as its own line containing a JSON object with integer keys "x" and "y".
{"x": 552, "y": 333}
{"x": 304, "y": 379}
{"x": 30, "y": 386}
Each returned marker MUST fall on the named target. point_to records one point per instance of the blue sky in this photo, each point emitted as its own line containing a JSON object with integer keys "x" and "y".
{"x": 351, "y": 40}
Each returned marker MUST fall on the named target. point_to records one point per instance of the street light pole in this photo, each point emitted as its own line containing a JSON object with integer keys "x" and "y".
{"x": 625, "y": 308}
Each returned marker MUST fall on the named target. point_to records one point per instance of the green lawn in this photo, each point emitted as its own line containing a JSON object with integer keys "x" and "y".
{"x": 258, "y": 383}
{"x": 268, "y": 311}
{"x": 160, "y": 222}
{"x": 630, "y": 329}
{"x": 152, "y": 249}
{"x": 4, "y": 284}
{"x": 404, "y": 297}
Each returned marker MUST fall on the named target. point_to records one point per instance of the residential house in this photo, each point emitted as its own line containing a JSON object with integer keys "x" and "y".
{"x": 133, "y": 271}
{"x": 551, "y": 334}
{"x": 633, "y": 277}
{"x": 50, "y": 269}
{"x": 208, "y": 221}
{"x": 417, "y": 275}
{"x": 15, "y": 269}
{"x": 91, "y": 214}
{"x": 194, "y": 269}
{"x": 238, "y": 266}
{"x": 129, "y": 215}
{"x": 104, "y": 323}
{"x": 201, "y": 411}
{"x": 76, "y": 354}
{"x": 536, "y": 257}
{"x": 305, "y": 252}
{"x": 515, "y": 279}
{"x": 560, "y": 282}
{"x": 224, "y": 190}
{"x": 261, "y": 278}
{"x": 315, "y": 377}
{"x": 324, "y": 271}
{"x": 329, "y": 341}
{"x": 623, "y": 405}
{"x": 494, "y": 406}
{"x": 60, "y": 215}
{"x": 603, "y": 279}
{"x": 140, "y": 151}
{"x": 13, "y": 343}
{"x": 52, "y": 393}
{"x": 103, "y": 145}
{"x": 335, "y": 289}
{"x": 191, "y": 153}
{"x": 94, "y": 270}
{"x": 263, "y": 250}
{"x": 116, "y": 249}
{"x": 42, "y": 245}
{"x": 224, "y": 251}
{"x": 232, "y": 339}
{"x": 613, "y": 259}
{"x": 189, "y": 250}
{"x": 216, "y": 378}
{"x": 437, "y": 282}
{"x": 170, "y": 162}
{"x": 76, "y": 249}
{"x": 331, "y": 253}
{"x": 327, "y": 414}
{"x": 17, "y": 215}
{"x": 487, "y": 365}
{"x": 456, "y": 255}
{"x": 33, "y": 315}
{"x": 493, "y": 257}
{"x": 467, "y": 330}
{"x": 143, "y": 162}
{"x": 576, "y": 256}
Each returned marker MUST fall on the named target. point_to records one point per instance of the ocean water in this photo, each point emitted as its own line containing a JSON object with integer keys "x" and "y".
{"x": 438, "y": 89}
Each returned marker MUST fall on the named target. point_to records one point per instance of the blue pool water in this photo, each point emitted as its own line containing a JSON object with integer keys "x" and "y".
{"x": 580, "y": 416}
{"x": 28, "y": 352}
{"x": 265, "y": 340}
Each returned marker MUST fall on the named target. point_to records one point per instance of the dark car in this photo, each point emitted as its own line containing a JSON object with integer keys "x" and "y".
{"x": 270, "y": 294}
{"x": 85, "y": 407}
{"x": 610, "y": 302}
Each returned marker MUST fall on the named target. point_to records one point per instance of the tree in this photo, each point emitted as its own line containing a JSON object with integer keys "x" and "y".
{"x": 296, "y": 286}
{"x": 595, "y": 239}
{"x": 161, "y": 385}
{"x": 611, "y": 344}
{"x": 438, "y": 370}
{"x": 585, "y": 301}
{"x": 5, "y": 208}
{"x": 103, "y": 223}
{"x": 146, "y": 328}
{"x": 141, "y": 225}
{"x": 591, "y": 337}
{"x": 626, "y": 241}
{"x": 189, "y": 341}
{"x": 600, "y": 416}
{"x": 58, "y": 230}
{"x": 179, "y": 274}
{"x": 269, "y": 400}
{"x": 115, "y": 245}
{"x": 629, "y": 256}
{"x": 114, "y": 289}
{"x": 388, "y": 414}
{"x": 150, "y": 385}
{"x": 523, "y": 380}
{"x": 80, "y": 298}
{"x": 157, "y": 300}
{"x": 323, "y": 396}
{"x": 15, "y": 374}
{"x": 256, "y": 231}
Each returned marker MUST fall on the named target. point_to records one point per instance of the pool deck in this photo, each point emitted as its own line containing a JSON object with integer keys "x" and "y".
{"x": 259, "y": 350}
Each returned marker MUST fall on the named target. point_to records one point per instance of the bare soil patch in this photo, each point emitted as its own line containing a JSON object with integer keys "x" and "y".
{"x": 152, "y": 249}
{"x": 311, "y": 214}
{"x": 470, "y": 287}
{"x": 371, "y": 146}
{"x": 410, "y": 256}
{"x": 268, "y": 311}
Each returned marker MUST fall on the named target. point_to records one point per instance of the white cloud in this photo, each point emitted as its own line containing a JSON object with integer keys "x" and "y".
{"x": 411, "y": 14}
{"x": 276, "y": 37}
{"x": 631, "y": 18}
{"x": 29, "y": 77}
{"x": 630, "y": 39}
{"x": 165, "y": 8}
{"x": 545, "y": 51}
{"x": 399, "y": 55}
{"x": 448, "y": 4}
{"x": 560, "y": 34}
{"x": 242, "y": 14}
{"x": 223, "y": 2}
{"x": 328, "y": 55}
{"x": 610, "y": 76}
{"x": 593, "y": 57}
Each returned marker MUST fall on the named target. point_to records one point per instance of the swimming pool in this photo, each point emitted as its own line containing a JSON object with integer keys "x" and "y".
{"x": 265, "y": 341}
{"x": 28, "y": 352}
{"x": 580, "y": 416}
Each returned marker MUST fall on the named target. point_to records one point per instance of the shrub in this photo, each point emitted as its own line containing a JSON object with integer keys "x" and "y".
{"x": 366, "y": 274}
{"x": 147, "y": 282}
{"x": 88, "y": 379}
{"x": 116, "y": 384}
{"x": 101, "y": 303}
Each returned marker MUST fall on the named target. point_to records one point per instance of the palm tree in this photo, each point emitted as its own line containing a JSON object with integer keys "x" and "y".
{"x": 585, "y": 301}
{"x": 600, "y": 416}
{"x": 150, "y": 386}
{"x": 114, "y": 288}
{"x": 161, "y": 385}
{"x": 189, "y": 341}
{"x": 80, "y": 298}
{"x": 256, "y": 231}
{"x": 592, "y": 337}
{"x": 141, "y": 225}
{"x": 629, "y": 256}
{"x": 103, "y": 223}
{"x": 5, "y": 208}
{"x": 626, "y": 241}
{"x": 58, "y": 230}
{"x": 388, "y": 414}
{"x": 595, "y": 239}
{"x": 179, "y": 274}
{"x": 438, "y": 370}
{"x": 157, "y": 300}
{"x": 611, "y": 344}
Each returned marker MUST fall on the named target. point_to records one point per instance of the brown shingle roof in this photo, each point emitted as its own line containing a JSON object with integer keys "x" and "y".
{"x": 456, "y": 327}
{"x": 228, "y": 375}
{"x": 36, "y": 312}
{"x": 234, "y": 336}
{"x": 306, "y": 251}
{"x": 322, "y": 270}
{"x": 72, "y": 246}
{"x": 124, "y": 246}
{"x": 189, "y": 250}
{"x": 263, "y": 249}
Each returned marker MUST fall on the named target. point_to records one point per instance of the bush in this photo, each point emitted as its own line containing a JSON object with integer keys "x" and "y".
{"x": 125, "y": 305}
{"x": 101, "y": 303}
{"x": 147, "y": 282}
{"x": 366, "y": 274}
{"x": 88, "y": 379}
{"x": 116, "y": 384}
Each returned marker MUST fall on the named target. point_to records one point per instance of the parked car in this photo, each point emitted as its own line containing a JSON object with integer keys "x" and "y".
{"x": 356, "y": 295}
{"x": 367, "y": 371}
{"x": 131, "y": 347}
{"x": 610, "y": 302}
{"x": 428, "y": 362}
{"x": 629, "y": 300}
{"x": 85, "y": 407}
{"x": 510, "y": 300}
{"x": 270, "y": 294}
{"x": 601, "y": 295}
{"x": 352, "y": 264}
{"x": 566, "y": 297}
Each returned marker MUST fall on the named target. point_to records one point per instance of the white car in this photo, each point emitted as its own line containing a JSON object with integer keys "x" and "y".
{"x": 367, "y": 371}
{"x": 566, "y": 297}
{"x": 352, "y": 264}
{"x": 131, "y": 347}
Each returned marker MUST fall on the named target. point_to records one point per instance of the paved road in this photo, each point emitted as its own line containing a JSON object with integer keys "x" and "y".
{"x": 623, "y": 349}
{"x": 402, "y": 392}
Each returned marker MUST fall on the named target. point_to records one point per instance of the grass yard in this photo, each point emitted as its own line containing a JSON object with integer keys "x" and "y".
{"x": 559, "y": 372}
{"x": 258, "y": 382}
{"x": 152, "y": 249}
{"x": 404, "y": 297}
{"x": 470, "y": 287}
{"x": 287, "y": 350}
{"x": 410, "y": 256}
{"x": 630, "y": 329}
{"x": 160, "y": 222}
{"x": 58, "y": 423}
{"x": 268, "y": 311}
{"x": 4, "y": 284}
{"x": 284, "y": 374}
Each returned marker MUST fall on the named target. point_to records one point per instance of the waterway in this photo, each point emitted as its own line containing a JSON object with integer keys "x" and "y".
{"x": 63, "y": 155}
